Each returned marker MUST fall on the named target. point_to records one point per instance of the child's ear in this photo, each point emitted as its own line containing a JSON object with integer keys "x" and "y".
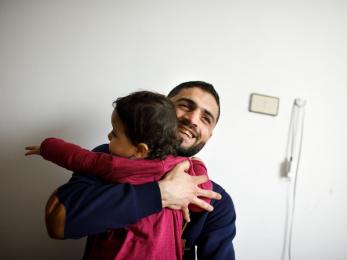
{"x": 142, "y": 151}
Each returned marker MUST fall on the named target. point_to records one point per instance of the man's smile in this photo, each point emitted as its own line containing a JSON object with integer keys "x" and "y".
{"x": 187, "y": 133}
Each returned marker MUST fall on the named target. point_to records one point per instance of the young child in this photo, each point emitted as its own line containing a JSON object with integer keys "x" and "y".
{"x": 142, "y": 148}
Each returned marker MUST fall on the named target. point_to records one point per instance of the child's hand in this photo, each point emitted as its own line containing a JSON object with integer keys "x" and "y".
{"x": 34, "y": 149}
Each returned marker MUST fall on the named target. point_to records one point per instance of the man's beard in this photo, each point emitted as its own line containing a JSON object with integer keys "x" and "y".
{"x": 195, "y": 148}
{"x": 189, "y": 151}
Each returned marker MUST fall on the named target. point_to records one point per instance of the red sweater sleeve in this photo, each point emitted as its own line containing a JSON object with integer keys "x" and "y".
{"x": 75, "y": 158}
{"x": 199, "y": 168}
{"x": 105, "y": 166}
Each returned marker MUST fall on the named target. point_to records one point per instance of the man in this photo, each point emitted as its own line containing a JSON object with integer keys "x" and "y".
{"x": 87, "y": 206}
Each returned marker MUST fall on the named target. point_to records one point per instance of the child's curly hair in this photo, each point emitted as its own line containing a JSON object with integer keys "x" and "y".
{"x": 149, "y": 118}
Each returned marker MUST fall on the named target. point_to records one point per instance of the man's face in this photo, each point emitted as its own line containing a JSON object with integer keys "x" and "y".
{"x": 197, "y": 113}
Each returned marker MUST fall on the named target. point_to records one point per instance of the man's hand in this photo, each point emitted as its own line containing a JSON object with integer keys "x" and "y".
{"x": 178, "y": 189}
{"x": 34, "y": 149}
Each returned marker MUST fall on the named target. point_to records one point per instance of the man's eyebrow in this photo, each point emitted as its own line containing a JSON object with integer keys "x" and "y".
{"x": 193, "y": 104}
{"x": 209, "y": 114}
{"x": 189, "y": 101}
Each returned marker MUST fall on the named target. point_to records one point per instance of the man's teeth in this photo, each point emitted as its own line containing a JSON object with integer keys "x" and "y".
{"x": 187, "y": 133}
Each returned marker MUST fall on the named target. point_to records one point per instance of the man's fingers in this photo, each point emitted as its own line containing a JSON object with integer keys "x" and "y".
{"x": 209, "y": 194}
{"x": 202, "y": 204}
{"x": 186, "y": 215}
{"x": 183, "y": 166}
{"x": 200, "y": 179}
{"x": 185, "y": 211}
{"x": 174, "y": 207}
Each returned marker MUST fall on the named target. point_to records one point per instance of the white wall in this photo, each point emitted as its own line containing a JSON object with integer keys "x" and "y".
{"x": 62, "y": 63}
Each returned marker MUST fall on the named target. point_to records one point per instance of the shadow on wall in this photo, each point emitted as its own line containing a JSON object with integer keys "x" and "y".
{"x": 27, "y": 183}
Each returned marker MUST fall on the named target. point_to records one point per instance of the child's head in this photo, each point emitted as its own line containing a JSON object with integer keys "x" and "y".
{"x": 144, "y": 126}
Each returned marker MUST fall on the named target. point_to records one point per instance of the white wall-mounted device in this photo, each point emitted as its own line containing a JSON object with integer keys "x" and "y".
{"x": 264, "y": 104}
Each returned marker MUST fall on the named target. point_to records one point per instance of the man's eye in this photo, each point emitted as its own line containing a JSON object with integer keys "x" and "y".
{"x": 184, "y": 106}
{"x": 206, "y": 119}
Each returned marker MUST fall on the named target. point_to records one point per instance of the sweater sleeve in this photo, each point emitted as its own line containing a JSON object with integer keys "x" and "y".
{"x": 109, "y": 168}
{"x": 199, "y": 168}
{"x": 216, "y": 240}
{"x": 75, "y": 158}
{"x": 93, "y": 206}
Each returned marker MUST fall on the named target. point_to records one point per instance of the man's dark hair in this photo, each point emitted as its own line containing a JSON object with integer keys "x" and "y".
{"x": 197, "y": 84}
{"x": 149, "y": 118}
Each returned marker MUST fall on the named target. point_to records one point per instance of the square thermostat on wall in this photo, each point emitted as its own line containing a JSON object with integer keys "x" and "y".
{"x": 264, "y": 104}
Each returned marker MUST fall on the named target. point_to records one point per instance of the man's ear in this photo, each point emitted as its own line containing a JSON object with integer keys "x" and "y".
{"x": 142, "y": 151}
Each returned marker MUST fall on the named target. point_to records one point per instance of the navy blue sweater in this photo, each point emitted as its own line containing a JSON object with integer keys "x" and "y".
{"x": 93, "y": 207}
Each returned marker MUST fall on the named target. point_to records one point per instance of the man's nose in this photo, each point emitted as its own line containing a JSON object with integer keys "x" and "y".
{"x": 109, "y": 136}
{"x": 193, "y": 117}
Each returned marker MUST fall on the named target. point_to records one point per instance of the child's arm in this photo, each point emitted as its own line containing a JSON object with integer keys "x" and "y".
{"x": 73, "y": 157}
{"x": 199, "y": 168}
{"x": 105, "y": 166}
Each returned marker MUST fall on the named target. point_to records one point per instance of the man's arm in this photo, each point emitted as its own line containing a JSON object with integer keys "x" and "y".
{"x": 85, "y": 205}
